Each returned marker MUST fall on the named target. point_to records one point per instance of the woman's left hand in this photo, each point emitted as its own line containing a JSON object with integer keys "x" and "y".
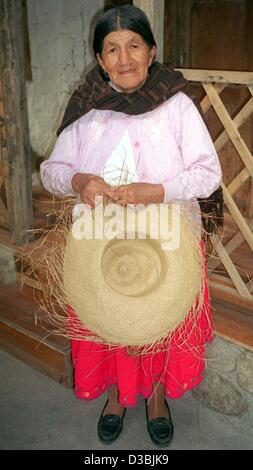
{"x": 137, "y": 193}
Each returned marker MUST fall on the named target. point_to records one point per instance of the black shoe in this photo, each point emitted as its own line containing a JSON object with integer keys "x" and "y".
{"x": 160, "y": 429}
{"x": 109, "y": 426}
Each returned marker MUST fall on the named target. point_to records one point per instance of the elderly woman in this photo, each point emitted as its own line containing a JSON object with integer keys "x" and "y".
{"x": 132, "y": 113}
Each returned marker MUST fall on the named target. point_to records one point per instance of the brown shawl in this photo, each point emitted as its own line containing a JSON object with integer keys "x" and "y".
{"x": 163, "y": 82}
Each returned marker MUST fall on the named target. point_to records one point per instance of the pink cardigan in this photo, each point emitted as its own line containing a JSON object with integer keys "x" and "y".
{"x": 171, "y": 145}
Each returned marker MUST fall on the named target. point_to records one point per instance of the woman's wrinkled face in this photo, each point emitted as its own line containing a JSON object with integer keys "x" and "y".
{"x": 126, "y": 58}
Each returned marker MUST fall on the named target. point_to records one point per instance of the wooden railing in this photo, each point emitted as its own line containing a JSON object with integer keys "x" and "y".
{"x": 213, "y": 83}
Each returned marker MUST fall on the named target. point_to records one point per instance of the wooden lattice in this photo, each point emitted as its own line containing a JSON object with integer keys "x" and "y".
{"x": 214, "y": 82}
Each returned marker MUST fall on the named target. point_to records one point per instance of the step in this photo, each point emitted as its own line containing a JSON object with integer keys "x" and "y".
{"x": 233, "y": 323}
{"x": 23, "y": 335}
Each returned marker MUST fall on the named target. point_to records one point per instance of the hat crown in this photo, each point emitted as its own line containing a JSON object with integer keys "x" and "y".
{"x": 133, "y": 267}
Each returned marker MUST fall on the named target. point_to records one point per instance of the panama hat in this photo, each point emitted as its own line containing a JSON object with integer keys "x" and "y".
{"x": 137, "y": 286}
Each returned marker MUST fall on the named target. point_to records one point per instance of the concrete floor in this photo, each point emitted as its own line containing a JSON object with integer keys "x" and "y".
{"x": 38, "y": 413}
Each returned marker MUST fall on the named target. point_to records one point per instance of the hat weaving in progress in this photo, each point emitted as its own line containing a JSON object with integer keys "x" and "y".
{"x": 137, "y": 287}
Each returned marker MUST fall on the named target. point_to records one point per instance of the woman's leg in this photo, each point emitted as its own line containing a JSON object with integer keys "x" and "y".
{"x": 110, "y": 423}
{"x": 156, "y": 404}
{"x": 159, "y": 423}
{"x": 113, "y": 406}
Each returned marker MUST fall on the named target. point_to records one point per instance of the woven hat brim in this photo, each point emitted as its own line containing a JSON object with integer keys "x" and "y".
{"x": 133, "y": 320}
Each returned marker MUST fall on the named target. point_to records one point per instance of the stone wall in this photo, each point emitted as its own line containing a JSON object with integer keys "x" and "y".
{"x": 60, "y": 34}
{"x": 228, "y": 382}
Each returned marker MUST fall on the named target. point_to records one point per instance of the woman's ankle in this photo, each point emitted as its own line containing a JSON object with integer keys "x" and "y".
{"x": 156, "y": 403}
{"x": 113, "y": 406}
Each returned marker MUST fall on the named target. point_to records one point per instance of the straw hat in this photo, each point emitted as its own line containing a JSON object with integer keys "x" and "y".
{"x": 132, "y": 291}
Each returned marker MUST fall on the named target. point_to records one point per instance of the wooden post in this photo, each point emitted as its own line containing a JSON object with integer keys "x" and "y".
{"x": 15, "y": 120}
{"x": 184, "y": 14}
{"x": 154, "y": 10}
{"x": 180, "y": 32}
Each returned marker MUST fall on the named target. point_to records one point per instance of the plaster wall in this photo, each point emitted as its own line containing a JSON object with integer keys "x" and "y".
{"x": 60, "y": 33}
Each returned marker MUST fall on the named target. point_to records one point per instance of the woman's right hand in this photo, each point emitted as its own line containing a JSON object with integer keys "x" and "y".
{"x": 89, "y": 186}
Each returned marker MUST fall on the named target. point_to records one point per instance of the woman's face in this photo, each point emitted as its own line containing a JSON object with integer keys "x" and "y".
{"x": 126, "y": 58}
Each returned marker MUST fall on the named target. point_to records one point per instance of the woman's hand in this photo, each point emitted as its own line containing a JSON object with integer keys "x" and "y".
{"x": 89, "y": 186}
{"x": 137, "y": 193}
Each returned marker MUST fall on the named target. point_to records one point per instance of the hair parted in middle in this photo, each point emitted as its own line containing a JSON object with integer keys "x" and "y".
{"x": 122, "y": 17}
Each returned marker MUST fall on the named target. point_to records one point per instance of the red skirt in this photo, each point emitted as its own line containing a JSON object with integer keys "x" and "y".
{"x": 179, "y": 368}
